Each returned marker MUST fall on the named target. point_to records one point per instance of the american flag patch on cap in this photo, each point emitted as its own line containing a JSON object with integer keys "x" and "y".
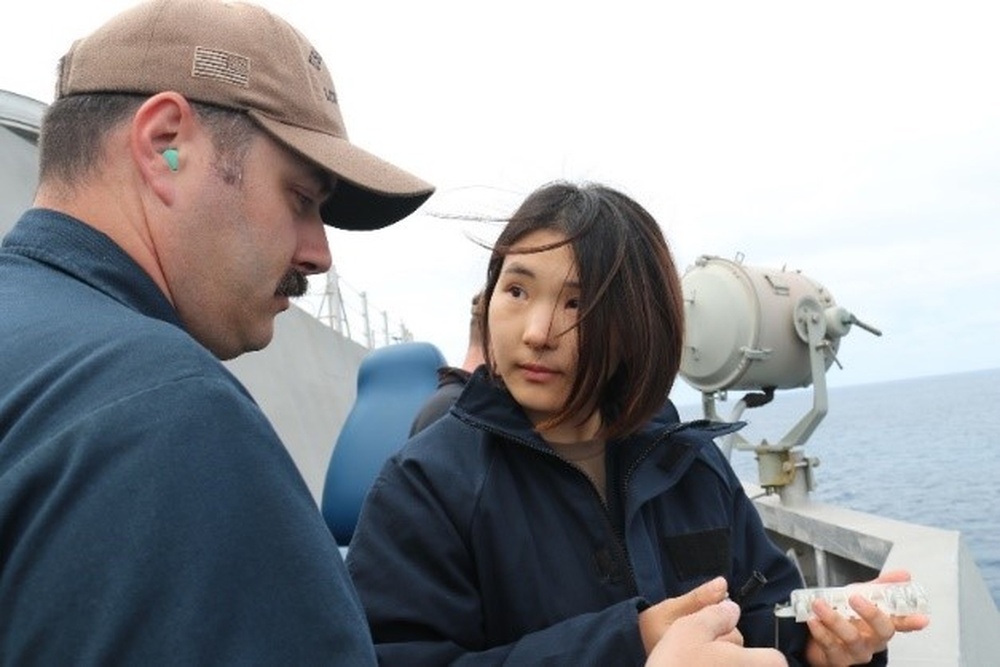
{"x": 221, "y": 66}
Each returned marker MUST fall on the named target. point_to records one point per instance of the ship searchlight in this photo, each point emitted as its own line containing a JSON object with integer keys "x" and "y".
{"x": 761, "y": 330}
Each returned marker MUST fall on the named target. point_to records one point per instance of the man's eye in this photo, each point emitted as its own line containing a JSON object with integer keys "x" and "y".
{"x": 303, "y": 201}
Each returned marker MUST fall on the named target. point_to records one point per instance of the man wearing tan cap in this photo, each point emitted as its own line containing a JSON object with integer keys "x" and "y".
{"x": 149, "y": 513}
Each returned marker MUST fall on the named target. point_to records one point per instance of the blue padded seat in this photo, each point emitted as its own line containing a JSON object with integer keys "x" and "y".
{"x": 393, "y": 383}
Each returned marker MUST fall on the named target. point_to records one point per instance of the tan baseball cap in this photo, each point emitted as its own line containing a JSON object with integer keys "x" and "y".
{"x": 241, "y": 56}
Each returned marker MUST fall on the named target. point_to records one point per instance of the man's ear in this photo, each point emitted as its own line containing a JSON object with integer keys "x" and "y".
{"x": 160, "y": 127}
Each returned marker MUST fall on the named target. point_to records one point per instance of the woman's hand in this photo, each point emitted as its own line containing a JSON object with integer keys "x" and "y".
{"x": 708, "y": 638}
{"x": 655, "y": 620}
{"x": 836, "y": 641}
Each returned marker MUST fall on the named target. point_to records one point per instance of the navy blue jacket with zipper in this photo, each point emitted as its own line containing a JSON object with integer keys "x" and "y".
{"x": 479, "y": 545}
{"x": 149, "y": 513}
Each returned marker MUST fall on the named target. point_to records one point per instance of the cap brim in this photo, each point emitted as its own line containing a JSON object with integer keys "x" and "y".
{"x": 370, "y": 193}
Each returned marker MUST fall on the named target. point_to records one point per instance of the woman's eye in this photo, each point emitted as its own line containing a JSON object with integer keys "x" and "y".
{"x": 573, "y": 304}
{"x": 515, "y": 291}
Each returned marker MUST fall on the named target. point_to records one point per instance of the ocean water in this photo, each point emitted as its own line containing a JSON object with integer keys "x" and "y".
{"x": 923, "y": 450}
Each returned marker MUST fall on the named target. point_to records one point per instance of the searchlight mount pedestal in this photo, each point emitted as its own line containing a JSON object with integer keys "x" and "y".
{"x": 762, "y": 330}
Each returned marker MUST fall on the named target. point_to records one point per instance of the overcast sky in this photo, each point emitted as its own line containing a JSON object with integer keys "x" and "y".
{"x": 858, "y": 142}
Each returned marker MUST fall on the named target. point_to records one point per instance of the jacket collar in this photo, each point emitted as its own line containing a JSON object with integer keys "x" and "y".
{"x": 77, "y": 249}
{"x": 487, "y": 405}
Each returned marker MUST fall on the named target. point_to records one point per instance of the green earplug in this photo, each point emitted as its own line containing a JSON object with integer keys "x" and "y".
{"x": 170, "y": 155}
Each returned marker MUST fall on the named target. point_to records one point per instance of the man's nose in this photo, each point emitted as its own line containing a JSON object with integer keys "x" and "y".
{"x": 313, "y": 254}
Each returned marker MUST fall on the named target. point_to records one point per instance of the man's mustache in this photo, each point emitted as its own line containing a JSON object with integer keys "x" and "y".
{"x": 293, "y": 284}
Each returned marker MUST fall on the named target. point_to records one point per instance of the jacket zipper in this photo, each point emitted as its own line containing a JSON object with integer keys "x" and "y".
{"x": 624, "y": 496}
{"x": 646, "y": 452}
{"x": 619, "y": 538}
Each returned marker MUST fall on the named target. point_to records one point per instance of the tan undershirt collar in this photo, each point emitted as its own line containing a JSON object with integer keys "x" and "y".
{"x": 588, "y": 456}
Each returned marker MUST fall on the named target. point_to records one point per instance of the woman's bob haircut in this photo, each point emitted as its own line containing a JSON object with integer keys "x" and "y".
{"x": 631, "y": 320}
